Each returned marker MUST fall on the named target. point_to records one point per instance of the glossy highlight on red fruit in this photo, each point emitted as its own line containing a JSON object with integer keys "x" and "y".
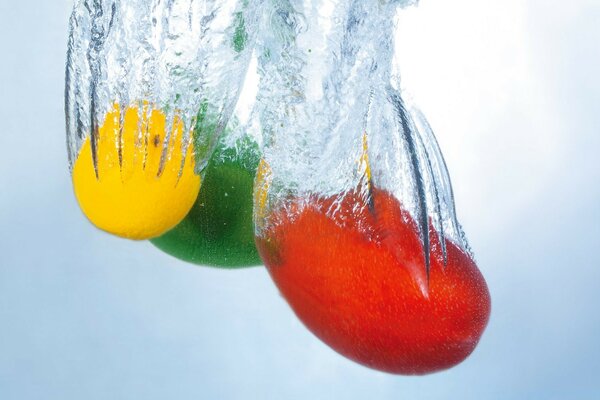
{"x": 358, "y": 281}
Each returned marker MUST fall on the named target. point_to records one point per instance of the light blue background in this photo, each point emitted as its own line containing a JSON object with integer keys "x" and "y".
{"x": 84, "y": 315}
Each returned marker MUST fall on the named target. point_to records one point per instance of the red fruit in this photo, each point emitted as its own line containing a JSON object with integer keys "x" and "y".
{"x": 358, "y": 282}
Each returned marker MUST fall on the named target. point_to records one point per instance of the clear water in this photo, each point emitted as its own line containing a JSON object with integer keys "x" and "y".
{"x": 185, "y": 57}
{"x": 331, "y": 111}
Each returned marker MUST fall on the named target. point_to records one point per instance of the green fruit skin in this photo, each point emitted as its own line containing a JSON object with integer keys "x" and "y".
{"x": 218, "y": 231}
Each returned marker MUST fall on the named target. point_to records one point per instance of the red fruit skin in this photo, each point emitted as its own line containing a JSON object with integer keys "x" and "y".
{"x": 359, "y": 284}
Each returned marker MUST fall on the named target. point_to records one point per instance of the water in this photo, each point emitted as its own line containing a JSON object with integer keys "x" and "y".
{"x": 334, "y": 120}
{"x": 186, "y": 58}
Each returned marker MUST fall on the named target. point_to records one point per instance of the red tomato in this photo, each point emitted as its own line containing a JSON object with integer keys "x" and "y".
{"x": 358, "y": 281}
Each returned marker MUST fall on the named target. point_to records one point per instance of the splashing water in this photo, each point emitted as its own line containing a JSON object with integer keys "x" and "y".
{"x": 354, "y": 210}
{"x": 317, "y": 101}
{"x": 178, "y": 65}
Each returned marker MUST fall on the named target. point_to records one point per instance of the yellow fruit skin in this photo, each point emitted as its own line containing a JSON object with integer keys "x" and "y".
{"x": 131, "y": 195}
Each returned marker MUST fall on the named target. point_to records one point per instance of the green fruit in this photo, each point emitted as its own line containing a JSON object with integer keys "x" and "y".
{"x": 218, "y": 231}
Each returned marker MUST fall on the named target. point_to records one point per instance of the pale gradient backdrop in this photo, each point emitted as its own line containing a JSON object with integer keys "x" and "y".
{"x": 512, "y": 91}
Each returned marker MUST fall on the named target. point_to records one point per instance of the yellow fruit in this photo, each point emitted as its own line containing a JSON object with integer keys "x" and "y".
{"x": 139, "y": 188}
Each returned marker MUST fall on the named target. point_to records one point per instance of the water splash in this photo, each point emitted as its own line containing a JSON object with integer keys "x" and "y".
{"x": 327, "y": 82}
{"x": 186, "y": 58}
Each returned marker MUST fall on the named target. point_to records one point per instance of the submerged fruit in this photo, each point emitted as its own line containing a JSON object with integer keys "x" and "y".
{"x": 358, "y": 281}
{"x": 218, "y": 231}
{"x": 129, "y": 182}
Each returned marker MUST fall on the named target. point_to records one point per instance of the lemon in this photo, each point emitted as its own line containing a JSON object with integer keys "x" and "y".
{"x": 140, "y": 183}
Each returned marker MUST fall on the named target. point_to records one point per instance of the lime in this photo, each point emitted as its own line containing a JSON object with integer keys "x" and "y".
{"x": 218, "y": 231}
